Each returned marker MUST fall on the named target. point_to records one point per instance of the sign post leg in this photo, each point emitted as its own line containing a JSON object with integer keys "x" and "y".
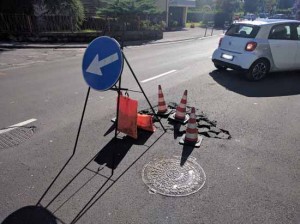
{"x": 74, "y": 149}
{"x": 137, "y": 81}
{"x": 118, "y": 106}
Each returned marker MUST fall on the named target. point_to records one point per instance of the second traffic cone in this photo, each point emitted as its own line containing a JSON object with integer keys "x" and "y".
{"x": 191, "y": 137}
{"x": 180, "y": 114}
{"x": 162, "y": 107}
{"x": 181, "y": 108}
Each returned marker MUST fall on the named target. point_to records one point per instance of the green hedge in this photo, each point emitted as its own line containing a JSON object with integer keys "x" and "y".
{"x": 283, "y": 11}
{"x": 196, "y": 17}
{"x": 219, "y": 18}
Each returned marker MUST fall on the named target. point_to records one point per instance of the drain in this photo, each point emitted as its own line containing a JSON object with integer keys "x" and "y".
{"x": 15, "y": 136}
{"x": 167, "y": 177}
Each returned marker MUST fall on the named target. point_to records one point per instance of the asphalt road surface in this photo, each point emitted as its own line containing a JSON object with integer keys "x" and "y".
{"x": 252, "y": 178}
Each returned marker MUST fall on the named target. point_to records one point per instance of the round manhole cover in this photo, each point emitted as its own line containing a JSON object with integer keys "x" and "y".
{"x": 167, "y": 177}
{"x": 15, "y": 136}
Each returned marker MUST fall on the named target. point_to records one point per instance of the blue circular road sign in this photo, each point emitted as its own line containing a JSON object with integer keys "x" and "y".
{"x": 102, "y": 63}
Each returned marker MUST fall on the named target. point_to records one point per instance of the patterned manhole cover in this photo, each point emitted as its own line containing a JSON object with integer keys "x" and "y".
{"x": 167, "y": 177}
{"x": 15, "y": 136}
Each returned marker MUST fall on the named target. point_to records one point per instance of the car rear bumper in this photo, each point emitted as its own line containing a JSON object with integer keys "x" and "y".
{"x": 228, "y": 65}
{"x": 240, "y": 61}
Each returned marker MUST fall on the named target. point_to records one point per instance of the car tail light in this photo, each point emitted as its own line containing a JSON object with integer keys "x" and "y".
{"x": 250, "y": 46}
{"x": 220, "y": 41}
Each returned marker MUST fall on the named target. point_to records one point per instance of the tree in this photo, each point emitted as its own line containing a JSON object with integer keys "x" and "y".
{"x": 297, "y": 9}
{"x": 201, "y": 3}
{"x": 285, "y": 4}
{"x": 269, "y": 5}
{"x": 73, "y": 8}
{"x": 129, "y": 11}
{"x": 251, "y": 6}
{"x": 121, "y": 8}
{"x": 227, "y": 6}
{"x": 16, "y": 6}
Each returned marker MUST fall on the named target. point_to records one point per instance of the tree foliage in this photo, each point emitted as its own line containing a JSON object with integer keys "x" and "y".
{"x": 297, "y": 9}
{"x": 124, "y": 8}
{"x": 201, "y": 3}
{"x": 227, "y": 6}
{"x": 285, "y": 4}
{"x": 72, "y": 8}
{"x": 297, "y": 5}
{"x": 16, "y": 6}
{"x": 251, "y": 5}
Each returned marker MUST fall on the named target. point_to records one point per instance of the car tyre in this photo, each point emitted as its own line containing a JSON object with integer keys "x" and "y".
{"x": 220, "y": 67}
{"x": 258, "y": 70}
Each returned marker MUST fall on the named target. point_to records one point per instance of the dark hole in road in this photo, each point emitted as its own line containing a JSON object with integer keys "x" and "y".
{"x": 206, "y": 127}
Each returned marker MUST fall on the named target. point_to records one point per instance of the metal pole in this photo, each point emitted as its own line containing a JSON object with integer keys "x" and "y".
{"x": 118, "y": 106}
{"x": 137, "y": 81}
{"x": 74, "y": 150}
{"x": 167, "y": 12}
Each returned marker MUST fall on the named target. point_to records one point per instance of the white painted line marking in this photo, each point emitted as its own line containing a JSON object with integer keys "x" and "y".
{"x": 17, "y": 125}
{"x": 158, "y": 76}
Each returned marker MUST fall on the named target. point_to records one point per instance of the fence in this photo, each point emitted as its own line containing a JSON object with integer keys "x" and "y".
{"x": 21, "y": 23}
{"x": 18, "y": 23}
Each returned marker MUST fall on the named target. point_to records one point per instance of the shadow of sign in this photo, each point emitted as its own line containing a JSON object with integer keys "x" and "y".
{"x": 113, "y": 153}
{"x": 109, "y": 156}
{"x": 32, "y": 215}
{"x": 275, "y": 84}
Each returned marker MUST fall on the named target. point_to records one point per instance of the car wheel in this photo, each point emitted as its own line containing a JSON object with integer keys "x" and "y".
{"x": 258, "y": 70}
{"x": 223, "y": 68}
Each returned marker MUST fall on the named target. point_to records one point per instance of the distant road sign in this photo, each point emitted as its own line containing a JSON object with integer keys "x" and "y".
{"x": 102, "y": 63}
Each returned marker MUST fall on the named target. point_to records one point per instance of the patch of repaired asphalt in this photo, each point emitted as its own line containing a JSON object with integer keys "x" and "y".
{"x": 206, "y": 127}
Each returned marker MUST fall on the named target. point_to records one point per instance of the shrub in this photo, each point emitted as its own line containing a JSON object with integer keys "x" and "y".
{"x": 194, "y": 16}
{"x": 208, "y": 17}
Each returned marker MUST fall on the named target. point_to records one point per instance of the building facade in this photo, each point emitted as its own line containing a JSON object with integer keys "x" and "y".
{"x": 176, "y": 11}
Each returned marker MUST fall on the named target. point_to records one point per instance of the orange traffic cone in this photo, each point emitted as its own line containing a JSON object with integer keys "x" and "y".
{"x": 162, "y": 107}
{"x": 180, "y": 114}
{"x": 181, "y": 109}
{"x": 191, "y": 137}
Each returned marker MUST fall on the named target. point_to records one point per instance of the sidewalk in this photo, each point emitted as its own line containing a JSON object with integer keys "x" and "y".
{"x": 168, "y": 36}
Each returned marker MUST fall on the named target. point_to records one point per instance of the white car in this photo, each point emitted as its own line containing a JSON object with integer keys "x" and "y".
{"x": 259, "y": 47}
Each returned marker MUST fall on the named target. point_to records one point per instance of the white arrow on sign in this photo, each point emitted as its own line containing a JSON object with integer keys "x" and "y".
{"x": 96, "y": 65}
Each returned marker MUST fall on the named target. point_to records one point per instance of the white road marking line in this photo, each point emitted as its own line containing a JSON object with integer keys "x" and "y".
{"x": 17, "y": 125}
{"x": 158, "y": 76}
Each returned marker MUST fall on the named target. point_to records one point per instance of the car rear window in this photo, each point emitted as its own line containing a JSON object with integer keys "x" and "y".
{"x": 243, "y": 30}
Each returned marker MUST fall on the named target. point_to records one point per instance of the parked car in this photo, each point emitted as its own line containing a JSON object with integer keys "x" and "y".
{"x": 263, "y": 15}
{"x": 259, "y": 47}
{"x": 282, "y": 16}
{"x": 250, "y": 17}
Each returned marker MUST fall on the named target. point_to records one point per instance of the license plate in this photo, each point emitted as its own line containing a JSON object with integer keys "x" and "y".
{"x": 227, "y": 57}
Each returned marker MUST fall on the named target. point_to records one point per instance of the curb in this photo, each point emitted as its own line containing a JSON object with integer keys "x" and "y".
{"x": 27, "y": 45}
